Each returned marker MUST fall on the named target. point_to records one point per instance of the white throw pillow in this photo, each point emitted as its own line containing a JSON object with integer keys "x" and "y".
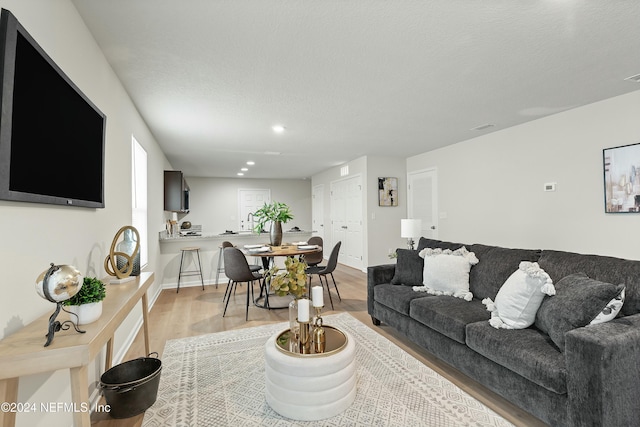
{"x": 520, "y": 297}
{"x": 610, "y": 311}
{"x": 446, "y": 272}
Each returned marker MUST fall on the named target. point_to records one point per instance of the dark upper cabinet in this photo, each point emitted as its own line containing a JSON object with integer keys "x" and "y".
{"x": 176, "y": 192}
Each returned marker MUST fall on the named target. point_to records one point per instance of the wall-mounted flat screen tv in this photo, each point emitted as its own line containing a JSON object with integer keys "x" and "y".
{"x": 51, "y": 134}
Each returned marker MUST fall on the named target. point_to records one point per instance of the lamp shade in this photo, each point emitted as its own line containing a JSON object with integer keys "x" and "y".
{"x": 410, "y": 228}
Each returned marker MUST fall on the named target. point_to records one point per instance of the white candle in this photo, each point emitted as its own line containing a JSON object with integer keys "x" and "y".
{"x": 317, "y": 295}
{"x": 303, "y": 310}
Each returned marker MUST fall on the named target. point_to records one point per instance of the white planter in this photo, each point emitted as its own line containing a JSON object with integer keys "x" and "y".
{"x": 86, "y": 313}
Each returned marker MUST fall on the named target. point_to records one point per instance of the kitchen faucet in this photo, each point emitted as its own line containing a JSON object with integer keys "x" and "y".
{"x": 250, "y": 218}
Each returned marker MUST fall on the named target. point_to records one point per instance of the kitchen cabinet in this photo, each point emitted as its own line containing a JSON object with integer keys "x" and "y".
{"x": 176, "y": 192}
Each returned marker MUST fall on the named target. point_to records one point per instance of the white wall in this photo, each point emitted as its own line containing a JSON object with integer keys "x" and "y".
{"x": 383, "y": 222}
{"x": 381, "y": 225}
{"x": 35, "y": 235}
{"x": 213, "y": 202}
{"x": 491, "y": 187}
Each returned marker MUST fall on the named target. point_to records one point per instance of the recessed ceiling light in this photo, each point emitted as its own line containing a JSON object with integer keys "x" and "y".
{"x": 251, "y": 163}
{"x": 244, "y": 169}
{"x": 278, "y": 128}
{"x": 240, "y": 174}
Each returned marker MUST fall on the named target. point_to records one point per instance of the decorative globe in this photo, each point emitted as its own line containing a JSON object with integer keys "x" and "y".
{"x": 64, "y": 282}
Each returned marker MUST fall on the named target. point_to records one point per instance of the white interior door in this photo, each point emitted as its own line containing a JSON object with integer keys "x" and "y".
{"x": 353, "y": 250}
{"x": 317, "y": 210}
{"x": 250, "y": 201}
{"x": 338, "y": 215}
{"x": 422, "y": 200}
{"x": 346, "y": 220}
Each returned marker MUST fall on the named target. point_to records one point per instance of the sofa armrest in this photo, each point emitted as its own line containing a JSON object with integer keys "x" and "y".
{"x": 603, "y": 373}
{"x": 378, "y": 275}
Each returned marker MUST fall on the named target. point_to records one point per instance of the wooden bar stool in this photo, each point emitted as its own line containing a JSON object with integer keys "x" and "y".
{"x": 196, "y": 272}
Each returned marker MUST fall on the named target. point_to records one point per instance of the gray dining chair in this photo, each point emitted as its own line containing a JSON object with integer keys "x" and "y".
{"x": 314, "y": 258}
{"x": 253, "y": 267}
{"x": 323, "y": 271}
{"x": 237, "y": 270}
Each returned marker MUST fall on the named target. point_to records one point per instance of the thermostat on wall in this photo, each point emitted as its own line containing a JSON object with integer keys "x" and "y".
{"x": 550, "y": 186}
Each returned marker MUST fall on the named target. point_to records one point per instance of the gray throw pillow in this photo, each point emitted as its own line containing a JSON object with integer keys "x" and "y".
{"x": 435, "y": 244}
{"x": 409, "y": 268}
{"x": 578, "y": 300}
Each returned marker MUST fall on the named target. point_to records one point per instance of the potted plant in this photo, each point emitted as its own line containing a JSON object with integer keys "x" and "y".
{"x": 277, "y": 213}
{"x": 87, "y": 303}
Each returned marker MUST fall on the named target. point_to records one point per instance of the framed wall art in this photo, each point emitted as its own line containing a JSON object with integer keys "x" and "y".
{"x": 388, "y": 191}
{"x": 621, "y": 167}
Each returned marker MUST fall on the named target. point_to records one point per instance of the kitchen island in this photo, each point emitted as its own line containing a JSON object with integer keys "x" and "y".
{"x": 209, "y": 244}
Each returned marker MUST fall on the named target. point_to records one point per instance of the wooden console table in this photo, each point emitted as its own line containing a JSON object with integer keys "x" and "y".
{"x": 23, "y": 352}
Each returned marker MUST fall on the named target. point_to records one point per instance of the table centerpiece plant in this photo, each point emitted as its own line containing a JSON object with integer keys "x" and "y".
{"x": 277, "y": 213}
{"x": 87, "y": 303}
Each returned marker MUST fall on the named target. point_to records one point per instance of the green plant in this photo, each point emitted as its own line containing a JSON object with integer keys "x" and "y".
{"x": 293, "y": 280}
{"x": 275, "y": 211}
{"x": 92, "y": 290}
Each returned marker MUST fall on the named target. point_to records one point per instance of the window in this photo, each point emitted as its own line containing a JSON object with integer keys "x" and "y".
{"x": 139, "y": 197}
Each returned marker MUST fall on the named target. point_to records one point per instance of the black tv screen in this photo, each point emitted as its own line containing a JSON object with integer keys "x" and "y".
{"x": 51, "y": 134}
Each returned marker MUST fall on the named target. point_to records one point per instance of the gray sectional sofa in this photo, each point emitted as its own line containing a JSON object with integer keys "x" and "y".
{"x": 591, "y": 378}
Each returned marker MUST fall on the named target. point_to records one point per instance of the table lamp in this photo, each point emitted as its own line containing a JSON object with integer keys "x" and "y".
{"x": 410, "y": 229}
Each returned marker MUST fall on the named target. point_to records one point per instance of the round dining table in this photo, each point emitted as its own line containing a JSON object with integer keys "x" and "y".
{"x": 268, "y": 254}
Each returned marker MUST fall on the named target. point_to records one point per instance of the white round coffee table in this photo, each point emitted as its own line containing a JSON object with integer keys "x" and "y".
{"x": 310, "y": 387}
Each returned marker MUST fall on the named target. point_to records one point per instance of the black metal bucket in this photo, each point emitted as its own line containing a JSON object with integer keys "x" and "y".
{"x": 130, "y": 388}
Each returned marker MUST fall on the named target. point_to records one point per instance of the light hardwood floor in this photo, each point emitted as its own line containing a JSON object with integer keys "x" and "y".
{"x": 193, "y": 311}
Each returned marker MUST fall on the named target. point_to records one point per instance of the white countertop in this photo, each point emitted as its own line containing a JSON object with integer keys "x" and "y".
{"x": 166, "y": 238}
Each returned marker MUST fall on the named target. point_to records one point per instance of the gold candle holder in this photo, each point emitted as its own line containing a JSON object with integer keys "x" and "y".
{"x": 319, "y": 339}
{"x": 304, "y": 341}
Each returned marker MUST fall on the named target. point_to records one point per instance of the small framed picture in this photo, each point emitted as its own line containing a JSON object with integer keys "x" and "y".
{"x": 621, "y": 167}
{"x": 387, "y": 191}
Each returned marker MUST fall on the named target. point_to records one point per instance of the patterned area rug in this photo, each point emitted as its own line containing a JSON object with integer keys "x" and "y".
{"x": 218, "y": 380}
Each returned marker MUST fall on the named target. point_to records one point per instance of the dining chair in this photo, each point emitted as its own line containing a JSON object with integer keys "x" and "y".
{"x": 237, "y": 269}
{"x": 253, "y": 267}
{"x": 220, "y": 269}
{"x": 323, "y": 271}
{"x": 314, "y": 258}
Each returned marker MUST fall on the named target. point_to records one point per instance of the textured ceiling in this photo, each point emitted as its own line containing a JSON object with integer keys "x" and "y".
{"x": 354, "y": 78}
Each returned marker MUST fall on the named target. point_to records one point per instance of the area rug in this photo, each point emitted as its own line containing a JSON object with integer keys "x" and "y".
{"x": 218, "y": 380}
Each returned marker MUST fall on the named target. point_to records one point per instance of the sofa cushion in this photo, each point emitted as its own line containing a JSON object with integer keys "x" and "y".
{"x": 448, "y": 315}
{"x": 520, "y": 297}
{"x": 606, "y": 269}
{"x": 578, "y": 300}
{"x": 446, "y": 272}
{"x": 409, "y": 266}
{"x": 527, "y": 352}
{"x": 396, "y": 297}
{"x": 433, "y": 243}
{"x": 495, "y": 266}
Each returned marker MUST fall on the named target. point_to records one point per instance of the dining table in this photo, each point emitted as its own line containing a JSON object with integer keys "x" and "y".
{"x": 268, "y": 253}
